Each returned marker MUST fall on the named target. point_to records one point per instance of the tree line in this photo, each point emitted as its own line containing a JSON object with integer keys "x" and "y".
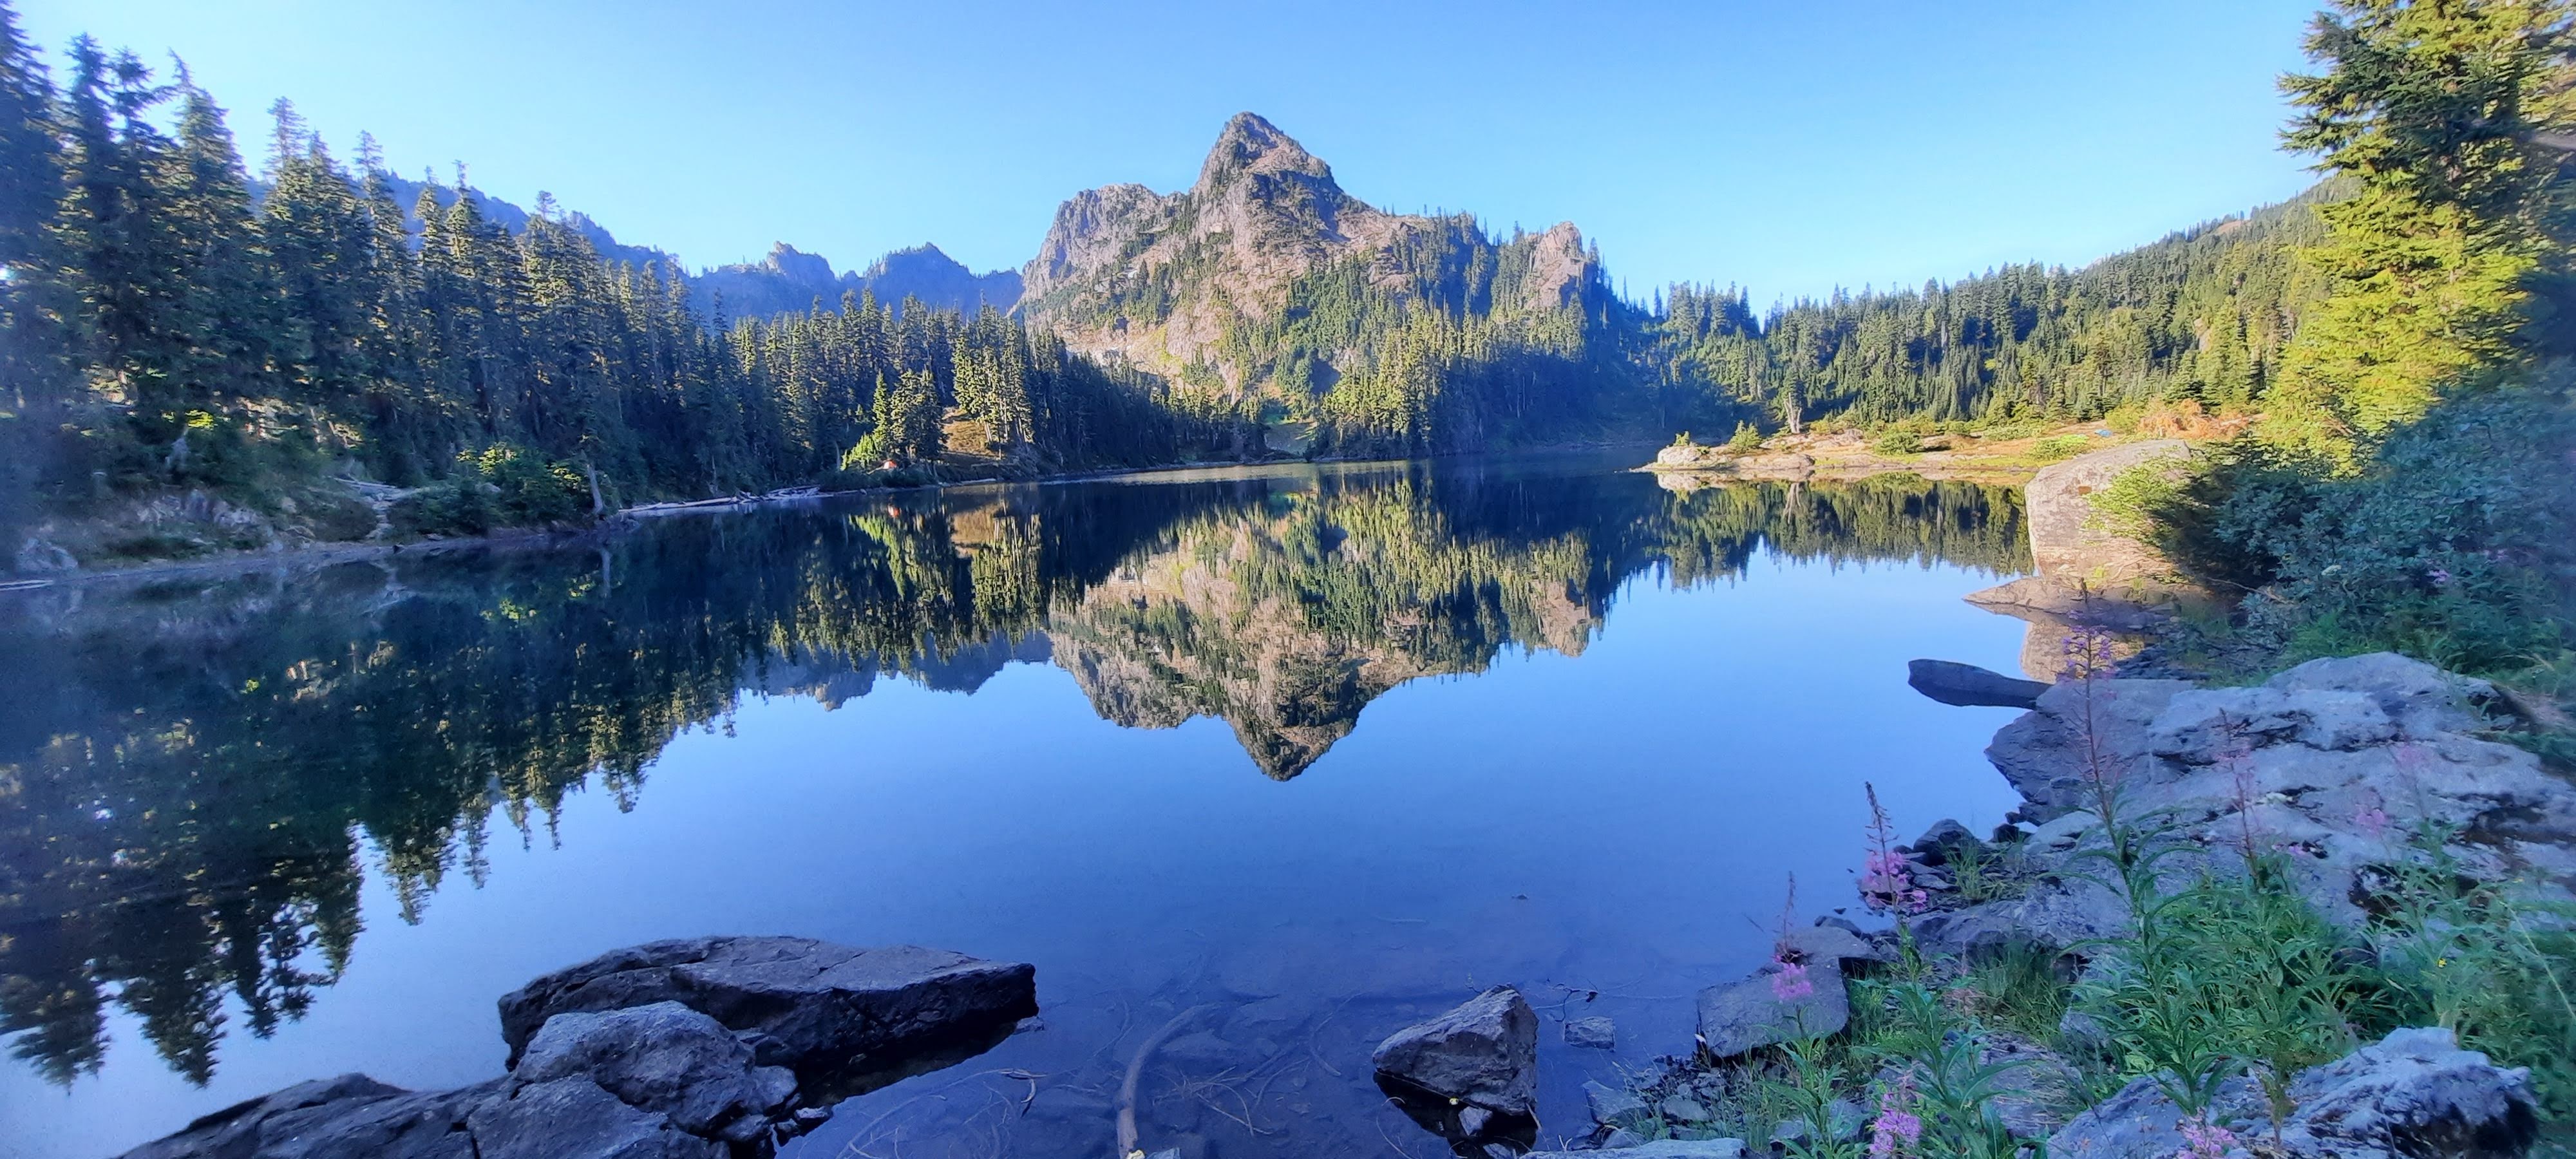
{"x": 171, "y": 321}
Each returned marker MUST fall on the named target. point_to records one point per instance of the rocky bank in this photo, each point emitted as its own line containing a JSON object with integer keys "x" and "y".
{"x": 699, "y": 1048}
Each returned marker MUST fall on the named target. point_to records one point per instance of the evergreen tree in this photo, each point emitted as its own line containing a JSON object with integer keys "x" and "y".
{"x": 2439, "y": 110}
{"x": 37, "y": 378}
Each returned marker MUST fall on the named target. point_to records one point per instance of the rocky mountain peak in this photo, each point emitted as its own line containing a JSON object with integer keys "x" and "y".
{"x": 1251, "y": 144}
{"x": 798, "y": 266}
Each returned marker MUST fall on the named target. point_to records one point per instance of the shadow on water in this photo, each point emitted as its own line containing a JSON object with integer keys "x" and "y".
{"x": 193, "y": 772}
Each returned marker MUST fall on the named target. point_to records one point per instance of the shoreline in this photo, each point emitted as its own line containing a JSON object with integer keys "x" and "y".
{"x": 313, "y": 554}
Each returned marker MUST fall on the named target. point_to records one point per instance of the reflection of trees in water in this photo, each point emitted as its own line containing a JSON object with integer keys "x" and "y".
{"x": 191, "y": 772}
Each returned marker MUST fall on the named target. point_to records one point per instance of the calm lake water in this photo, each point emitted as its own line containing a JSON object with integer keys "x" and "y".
{"x": 1321, "y": 750}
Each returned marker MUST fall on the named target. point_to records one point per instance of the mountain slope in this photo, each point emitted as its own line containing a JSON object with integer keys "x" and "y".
{"x": 1267, "y": 288}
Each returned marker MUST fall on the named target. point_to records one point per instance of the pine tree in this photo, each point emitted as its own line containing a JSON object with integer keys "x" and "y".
{"x": 37, "y": 380}
{"x": 2438, "y": 110}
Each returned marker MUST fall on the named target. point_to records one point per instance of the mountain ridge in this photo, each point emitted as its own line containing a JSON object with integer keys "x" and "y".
{"x": 1167, "y": 282}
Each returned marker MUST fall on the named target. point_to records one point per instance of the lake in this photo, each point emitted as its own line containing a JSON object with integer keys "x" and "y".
{"x": 1309, "y": 753}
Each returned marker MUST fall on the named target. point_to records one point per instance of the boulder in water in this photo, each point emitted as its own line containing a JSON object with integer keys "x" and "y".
{"x": 1483, "y": 1053}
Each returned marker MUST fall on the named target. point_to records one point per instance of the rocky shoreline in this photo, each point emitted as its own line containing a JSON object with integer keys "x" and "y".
{"x": 701, "y": 1048}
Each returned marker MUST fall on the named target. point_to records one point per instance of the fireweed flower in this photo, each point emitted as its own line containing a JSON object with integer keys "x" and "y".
{"x": 1789, "y": 983}
{"x": 2440, "y": 577}
{"x": 2204, "y": 1140}
{"x": 1897, "y": 1130}
{"x": 1887, "y": 885}
{"x": 1887, "y": 878}
{"x": 2371, "y": 820}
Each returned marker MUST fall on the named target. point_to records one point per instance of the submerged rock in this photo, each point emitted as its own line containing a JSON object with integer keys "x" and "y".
{"x": 1484, "y": 1053}
{"x": 828, "y": 1007}
{"x": 1591, "y": 1033}
{"x": 1968, "y": 686}
{"x": 1612, "y": 1106}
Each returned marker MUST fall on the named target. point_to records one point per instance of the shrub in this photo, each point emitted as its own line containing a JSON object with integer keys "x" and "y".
{"x": 1896, "y": 441}
{"x": 1747, "y": 437}
{"x": 2058, "y": 447}
{"x": 500, "y": 486}
{"x": 2453, "y": 544}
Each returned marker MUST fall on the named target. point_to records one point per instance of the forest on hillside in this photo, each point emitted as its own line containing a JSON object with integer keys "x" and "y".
{"x": 194, "y": 348}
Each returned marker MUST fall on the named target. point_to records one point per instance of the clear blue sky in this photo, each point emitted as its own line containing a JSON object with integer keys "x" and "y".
{"x": 1788, "y": 147}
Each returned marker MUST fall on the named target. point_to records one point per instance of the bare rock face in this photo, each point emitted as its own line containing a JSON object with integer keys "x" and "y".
{"x": 2412, "y": 1095}
{"x": 1483, "y": 1053}
{"x": 2336, "y": 760}
{"x": 2079, "y": 731}
{"x": 663, "y": 1057}
{"x": 1263, "y": 213}
{"x": 824, "y": 1005}
{"x": 2067, "y": 539}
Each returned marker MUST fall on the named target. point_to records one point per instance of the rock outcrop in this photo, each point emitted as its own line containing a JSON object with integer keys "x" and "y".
{"x": 1263, "y": 214}
{"x": 2412, "y": 1095}
{"x": 1967, "y": 685}
{"x": 1801, "y": 992}
{"x": 1483, "y": 1053}
{"x": 2336, "y": 759}
{"x": 704, "y": 1048}
{"x": 815, "y": 1006}
{"x": 2068, "y": 540}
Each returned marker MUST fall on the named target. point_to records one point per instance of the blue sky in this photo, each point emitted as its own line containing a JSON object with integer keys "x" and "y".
{"x": 1789, "y": 148}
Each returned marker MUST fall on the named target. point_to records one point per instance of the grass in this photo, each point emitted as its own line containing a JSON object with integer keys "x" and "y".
{"x": 2231, "y": 974}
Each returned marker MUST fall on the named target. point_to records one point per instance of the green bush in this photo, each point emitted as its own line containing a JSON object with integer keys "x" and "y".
{"x": 1896, "y": 441}
{"x": 498, "y": 487}
{"x": 2455, "y": 543}
{"x": 2058, "y": 447}
{"x": 1747, "y": 437}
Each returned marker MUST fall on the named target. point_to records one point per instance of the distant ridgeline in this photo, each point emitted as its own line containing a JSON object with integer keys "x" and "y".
{"x": 173, "y": 324}
{"x": 203, "y": 768}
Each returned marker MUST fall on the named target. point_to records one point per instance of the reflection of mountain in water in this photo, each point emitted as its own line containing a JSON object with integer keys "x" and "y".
{"x": 191, "y": 771}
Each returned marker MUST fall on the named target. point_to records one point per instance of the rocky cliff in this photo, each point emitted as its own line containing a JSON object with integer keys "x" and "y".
{"x": 1199, "y": 285}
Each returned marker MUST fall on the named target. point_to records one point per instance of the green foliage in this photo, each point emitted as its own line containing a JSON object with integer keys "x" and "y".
{"x": 1897, "y": 441}
{"x": 2128, "y": 505}
{"x": 501, "y": 486}
{"x": 2453, "y": 543}
{"x": 2058, "y": 448}
{"x": 2204, "y": 314}
{"x": 2439, "y": 111}
{"x": 164, "y": 332}
{"x": 1747, "y": 437}
{"x": 2498, "y": 970}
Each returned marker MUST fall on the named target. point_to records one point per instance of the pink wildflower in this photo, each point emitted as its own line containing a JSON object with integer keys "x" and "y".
{"x": 1888, "y": 885}
{"x": 1887, "y": 879}
{"x": 1789, "y": 983}
{"x": 2371, "y": 820}
{"x": 2440, "y": 577}
{"x": 2204, "y": 1140}
{"x": 1897, "y": 1129}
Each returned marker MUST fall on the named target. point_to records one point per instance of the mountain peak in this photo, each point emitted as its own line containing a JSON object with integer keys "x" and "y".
{"x": 1251, "y": 144}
